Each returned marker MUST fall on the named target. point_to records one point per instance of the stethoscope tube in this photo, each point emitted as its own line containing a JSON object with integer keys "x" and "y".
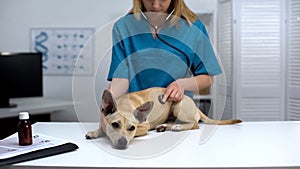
{"x": 165, "y": 42}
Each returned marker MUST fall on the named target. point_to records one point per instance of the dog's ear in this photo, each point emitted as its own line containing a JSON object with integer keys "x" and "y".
{"x": 143, "y": 111}
{"x": 108, "y": 103}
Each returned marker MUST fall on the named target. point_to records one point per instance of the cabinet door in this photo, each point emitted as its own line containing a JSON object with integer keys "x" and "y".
{"x": 293, "y": 82}
{"x": 225, "y": 50}
{"x": 260, "y": 62}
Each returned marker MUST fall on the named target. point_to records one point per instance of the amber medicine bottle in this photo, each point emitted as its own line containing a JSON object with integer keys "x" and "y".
{"x": 24, "y": 129}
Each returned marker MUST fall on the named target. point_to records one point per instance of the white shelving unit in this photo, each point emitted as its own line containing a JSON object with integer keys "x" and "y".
{"x": 203, "y": 101}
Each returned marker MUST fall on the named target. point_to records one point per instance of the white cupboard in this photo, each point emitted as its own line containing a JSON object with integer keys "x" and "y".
{"x": 259, "y": 44}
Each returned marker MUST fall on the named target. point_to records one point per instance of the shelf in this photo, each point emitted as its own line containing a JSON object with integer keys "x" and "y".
{"x": 198, "y": 97}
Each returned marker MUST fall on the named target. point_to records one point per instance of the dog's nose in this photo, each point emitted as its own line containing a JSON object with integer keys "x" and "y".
{"x": 160, "y": 99}
{"x": 122, "y": 143}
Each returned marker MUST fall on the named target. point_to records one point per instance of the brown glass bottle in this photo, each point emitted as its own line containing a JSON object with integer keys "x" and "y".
{"x": 24, "y": 129}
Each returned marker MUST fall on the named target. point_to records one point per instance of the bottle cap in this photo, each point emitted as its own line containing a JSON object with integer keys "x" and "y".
{"x": 23, "y": 115}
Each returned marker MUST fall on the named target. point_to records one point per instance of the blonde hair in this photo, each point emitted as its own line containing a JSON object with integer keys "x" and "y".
{"x": 181, "y": 10}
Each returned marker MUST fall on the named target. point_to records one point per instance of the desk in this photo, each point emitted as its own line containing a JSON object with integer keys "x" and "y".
{"x": 40, "y": 109}
{"x": 35, "y": 105}
{"x": 245, "y": 145}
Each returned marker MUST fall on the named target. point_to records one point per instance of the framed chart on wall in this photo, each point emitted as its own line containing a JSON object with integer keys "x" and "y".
{"x": 64, "y": 50}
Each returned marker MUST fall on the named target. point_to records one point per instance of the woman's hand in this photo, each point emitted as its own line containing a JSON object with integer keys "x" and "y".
{"x": 174, "y": 92}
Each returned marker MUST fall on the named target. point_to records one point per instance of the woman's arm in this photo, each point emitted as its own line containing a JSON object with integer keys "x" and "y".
{"x": 118, "y": 87}
{"x": 175, "y": 90}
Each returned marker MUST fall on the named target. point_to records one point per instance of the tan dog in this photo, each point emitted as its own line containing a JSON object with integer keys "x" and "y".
{"x": 134, "y": 114}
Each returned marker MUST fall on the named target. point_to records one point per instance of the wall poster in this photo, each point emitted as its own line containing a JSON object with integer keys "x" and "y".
{"x": 64, "y": 49}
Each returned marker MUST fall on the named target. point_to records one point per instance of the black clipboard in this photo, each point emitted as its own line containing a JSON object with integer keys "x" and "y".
{"x": 41, "y": 153}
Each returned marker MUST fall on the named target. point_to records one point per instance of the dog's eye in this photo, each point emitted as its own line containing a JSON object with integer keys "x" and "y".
{"x": 131, "y": 128}
{"x": 115, "y": 125}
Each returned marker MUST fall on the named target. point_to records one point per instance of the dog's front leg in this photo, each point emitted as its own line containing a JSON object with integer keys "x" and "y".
{"x": 100, "y": 131}
{"x": 95, "y": 133}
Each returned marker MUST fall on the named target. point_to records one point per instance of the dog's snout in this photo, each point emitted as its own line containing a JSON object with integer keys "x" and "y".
{"x": 122, "y": 143}
{"x": 160, "y": 99}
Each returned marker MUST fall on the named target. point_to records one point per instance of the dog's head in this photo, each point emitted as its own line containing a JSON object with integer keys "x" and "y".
{"x": 120, "y": 122}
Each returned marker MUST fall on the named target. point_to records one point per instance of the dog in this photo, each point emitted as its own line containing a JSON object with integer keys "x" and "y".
{"x": 134, "y": 114}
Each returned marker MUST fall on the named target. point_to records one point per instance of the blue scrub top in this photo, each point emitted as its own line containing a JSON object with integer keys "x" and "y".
{"x": 148, "y": 62}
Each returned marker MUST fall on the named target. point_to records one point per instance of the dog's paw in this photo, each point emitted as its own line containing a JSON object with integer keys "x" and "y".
{"x": 176, "y": 127}
{"x": 161, "y": 128}
{"x": 92, "y": 134}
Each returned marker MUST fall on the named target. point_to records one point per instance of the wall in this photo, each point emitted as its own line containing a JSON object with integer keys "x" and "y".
{"x": 202, "y": 5}
{"x": 18, "y": 16}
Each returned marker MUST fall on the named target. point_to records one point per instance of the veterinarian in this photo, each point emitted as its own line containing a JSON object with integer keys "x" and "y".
{"x": 161, "y": 43}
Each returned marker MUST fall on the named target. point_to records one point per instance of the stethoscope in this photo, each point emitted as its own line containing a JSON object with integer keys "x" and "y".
{"x": 156, "y": 27}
